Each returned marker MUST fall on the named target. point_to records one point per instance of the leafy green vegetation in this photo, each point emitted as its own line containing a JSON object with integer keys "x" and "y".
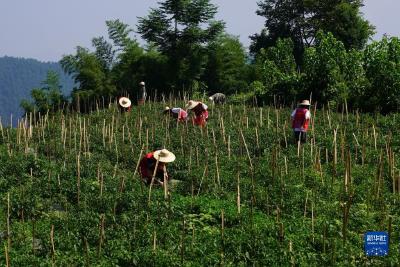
{"x": 248, "y": 196}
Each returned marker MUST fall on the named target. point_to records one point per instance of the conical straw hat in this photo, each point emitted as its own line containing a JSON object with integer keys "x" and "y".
{"x": 124, "y": 102}
{"x": 164, "y": 155}
{"x": 304, "y": 103}
{"x": 191, "y": 104}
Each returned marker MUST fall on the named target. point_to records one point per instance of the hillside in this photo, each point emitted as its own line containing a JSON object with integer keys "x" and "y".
{"x": 18, "y": 76}
{"x": 248, "y": 196}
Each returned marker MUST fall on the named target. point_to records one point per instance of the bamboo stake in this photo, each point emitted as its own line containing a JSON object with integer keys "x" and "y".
{"x": 152, "y": 181}
{"x": 247, "y": 150}
{"x": 154, "y": 241}
{"x": 202, "y": 178}
{"x": 53, "y": 250}
{"x": 101, "y": 235}
{"x": 78, "y": 179}
{"x": 238, "y": 193}
{"x": 8, "y": 222}
{"x": 222, "y": 237}
{"x": 7, "y": 256}
{"x": 165, "y": 183}
{"x": 217, "y": 170}
{"x": 229, "y": 147}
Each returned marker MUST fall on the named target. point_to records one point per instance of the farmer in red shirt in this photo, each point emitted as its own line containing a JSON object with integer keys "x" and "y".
{"x": 300, "y": 120}
{"x": 200, "y": 112}
{"x": 148, "y": 164}
{"x": 177, "y": 113}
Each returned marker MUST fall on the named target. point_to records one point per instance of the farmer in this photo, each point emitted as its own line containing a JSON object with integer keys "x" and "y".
{"x": 200, "y": 112}
{"x": 149, "y": 162}
{"x": 176, "y": 113}
{"x": 217, "y": 98}
{"x": 142, "y": 93}
{"x": 125, "y": 104}
{"x": 300, "y": 119}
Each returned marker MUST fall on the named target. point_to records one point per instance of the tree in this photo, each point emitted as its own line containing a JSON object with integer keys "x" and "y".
{"x": 91, "y": 75}
{"x": 276, "y": 69}
{"x": 180, "y": 30}
{"x": 226, "y": 65}
{"x": 331, "y": 73}
{"x": 46, "y": 98}
{"x": 382, "y": 67}
{"x": 300, "y": 20}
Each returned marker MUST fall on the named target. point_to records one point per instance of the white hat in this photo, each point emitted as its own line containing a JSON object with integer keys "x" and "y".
{"x": 304, "y": 103}
{"x": 211, "y": 98}
{"x": 164, "y": 156}
{"x": 166, "y": 108}
{"x": 141, "y": 83}
{"x": 124, "y": 102}
{"x": 191, "y": 104}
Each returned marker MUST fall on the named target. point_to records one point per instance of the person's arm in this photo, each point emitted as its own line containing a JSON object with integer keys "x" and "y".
{"x": 307, "y": 118}
{"x": 293, "y": 114}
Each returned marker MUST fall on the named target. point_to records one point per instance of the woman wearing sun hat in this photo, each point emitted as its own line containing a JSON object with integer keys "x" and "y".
{"x": 300, "y": 120}
{"x": 177, "y": 113}
{"x": 200, "y": 112}
{"x": 142, "y": 94}
{"x": 149, "y": 162}
{"x": 125, "y": 104}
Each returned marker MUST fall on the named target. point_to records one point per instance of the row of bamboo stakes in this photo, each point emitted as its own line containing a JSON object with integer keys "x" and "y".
{"x": 77, "y": 132}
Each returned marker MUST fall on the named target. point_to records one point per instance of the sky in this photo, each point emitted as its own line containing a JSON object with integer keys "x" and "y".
{"x": 48, "y": 29}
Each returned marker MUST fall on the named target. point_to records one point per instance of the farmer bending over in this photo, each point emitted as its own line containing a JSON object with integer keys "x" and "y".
{"x": 300, "y": 119}
{"x": 217, "y": 98}
{"x": 177, "y": 113}
{"x": 148, "y": 164}
{"x": 200, "y": 112}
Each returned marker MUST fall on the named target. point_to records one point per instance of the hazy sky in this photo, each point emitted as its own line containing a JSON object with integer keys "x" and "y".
{"x": 47, "y": 29}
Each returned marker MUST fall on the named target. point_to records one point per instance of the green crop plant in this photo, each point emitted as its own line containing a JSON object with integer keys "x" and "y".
{"x": 71, "y": 193}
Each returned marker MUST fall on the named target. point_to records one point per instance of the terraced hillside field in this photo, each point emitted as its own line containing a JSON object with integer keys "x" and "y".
{"x": 247, "y": 196}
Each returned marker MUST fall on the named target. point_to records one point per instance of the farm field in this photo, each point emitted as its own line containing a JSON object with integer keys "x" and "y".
{"x": 248, "y": 195}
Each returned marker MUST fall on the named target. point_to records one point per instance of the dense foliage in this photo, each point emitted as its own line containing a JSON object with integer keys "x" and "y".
{"x": 307, "y": 57}
{"x": 301, "y": 20}
{"x": 248, "y": 196}
{"x": 181, "y": 30}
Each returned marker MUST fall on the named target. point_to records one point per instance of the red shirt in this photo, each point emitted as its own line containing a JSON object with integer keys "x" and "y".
{"x": 300, "y": 119}
{"x": 201, "y": 114}
{"x": 147, "y": 165}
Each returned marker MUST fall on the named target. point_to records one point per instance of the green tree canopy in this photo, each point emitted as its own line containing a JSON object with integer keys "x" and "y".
{"x": 226, "y": 65}
{"x": 300, "y": 20}
{"x": 276, "y": 68}
{"x": 47, "y": 98}
{"x": 180, "y": 30}
{"x": 382, "y": 67}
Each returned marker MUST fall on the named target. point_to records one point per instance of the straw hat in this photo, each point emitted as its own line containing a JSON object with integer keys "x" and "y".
{"x": 141, "y": 83}
{"x": 164, "y": 155}
{"x": 166, "y": 108}
{"x": 304, "y": 103}
{"x": 124, "y": 102}
{"x": 191, "y": 104}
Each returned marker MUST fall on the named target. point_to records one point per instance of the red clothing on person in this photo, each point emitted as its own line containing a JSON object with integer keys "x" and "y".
{"x": 300, "y": 119}
{"x": 182, "y": 116}
{"x": 179, "y": 113}
{"x": 147, "y": 165}
{"x": 201, "y": 114}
